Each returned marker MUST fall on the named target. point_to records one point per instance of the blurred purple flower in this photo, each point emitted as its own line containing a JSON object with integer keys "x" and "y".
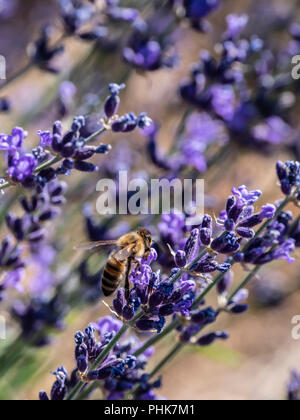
{"x": 201, "y": 131}
{"x": 274, "y": 130}
{"x": 14, "y": 142}
{"x": 236, "y": 24}
{"x": 223, "y": 101}
{"x": 293, "y": 387}
{"x": 21, "y": 167}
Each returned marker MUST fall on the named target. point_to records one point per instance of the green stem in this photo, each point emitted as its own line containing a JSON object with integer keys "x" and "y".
{"x": 208, "y": 289}
{"x": 165, "y": 360}
{"x": 244, "y": 282}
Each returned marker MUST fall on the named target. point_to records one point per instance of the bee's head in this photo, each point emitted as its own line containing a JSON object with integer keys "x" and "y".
{"x": 147, "y": 237}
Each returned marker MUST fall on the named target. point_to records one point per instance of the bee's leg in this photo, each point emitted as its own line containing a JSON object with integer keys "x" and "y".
{"x": 147, "y": 253}
{"x": 127, "y": 274}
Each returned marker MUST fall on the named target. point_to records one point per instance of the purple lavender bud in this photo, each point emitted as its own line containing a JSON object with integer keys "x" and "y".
{"x": 191, "y": 246}
{"x": 130, "y": 361}
{"x": 79, "y": 337}
{"x": 48, "y": 215}
{"x": 293, "y": 387}
{"x": 284, "y": 250}
{"x": 84, "y": 153}
{"x": 205, "y": 236}
{"x": 143, "y": 121}
{"x": 180, "y": 259}
{"x": 68, "y": 137}
{"x": 103, "y": 373}
{"x": 267, "y": 212}
{"x": 59, "y": 390}
{"x": 68, "y": 150}
{"x": 36, "y": 236}
{"x": 167, "y": 309}
{"x": 225, "y": 283}
{"x": 83, "y": 166}
{"x": 197, "y": 9}
{"x": 286, "y": 187}
{"x": 100, "y": 374}
{"x": 224, "y": 267}
{"x": 47, "y": 174}
{"x": 5, "y": 105}
{"x": 289, "y": 175}
{"x": 130, "y": 126}
{"x": 78, "y": 123}
{"x": 189, "y": 332}
{"x": 281, "y": 170}
{"x": 103, "y": 149}
{"x": 57, "y": 128}
{"x": 159, "y": 325}
{"x": 239, "y": 309}
{"x": 218, "y": 243}
{"x": 231, "y": 201}
{"x": 118, "y": 306}
{"x": 229, "y": 225}
{"x": 92, "y": 375}
{"x": 156, "y": 299}
{"x": 226, "y": 243}
{"x": 206, "y": 222}
{"x": 120, "y": 301}
{"x": 119, "y": 125}
{"x": 253, "y": 255}
{"x": 208, "y": 339}
{"x": 57, "y": 143}
{"x": 56, "y": 189}
{"x": 30, "y": 182}
{"x": 111, "y": 105}
{"x": 204, "y": 317}
{"x": 128, "y": 312}
{"x": 168, "y": 287}
{"x": 245, "y": 232}
{"x": 145, "y": 324}
{"x": 175, "y": 296}
{"x": 67, "y": 165}
{"x": 206, "y": 265}
{"x": 235, "y": 212}
{"x": 43, "y": 396}
{"x": 82, "y": 363}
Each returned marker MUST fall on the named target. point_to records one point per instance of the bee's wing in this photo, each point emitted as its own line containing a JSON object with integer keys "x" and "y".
{"x": 124, "y": 253}
{"x": 91, "y": 245}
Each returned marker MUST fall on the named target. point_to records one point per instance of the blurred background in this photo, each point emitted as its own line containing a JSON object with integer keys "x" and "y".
{"x": 255, "y": 362}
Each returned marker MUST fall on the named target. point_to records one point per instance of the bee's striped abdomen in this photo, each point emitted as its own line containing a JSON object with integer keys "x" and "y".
{"x": 112, "y": 275}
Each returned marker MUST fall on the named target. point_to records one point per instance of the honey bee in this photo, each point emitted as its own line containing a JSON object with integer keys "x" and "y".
{"x": 129, "y": 247}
